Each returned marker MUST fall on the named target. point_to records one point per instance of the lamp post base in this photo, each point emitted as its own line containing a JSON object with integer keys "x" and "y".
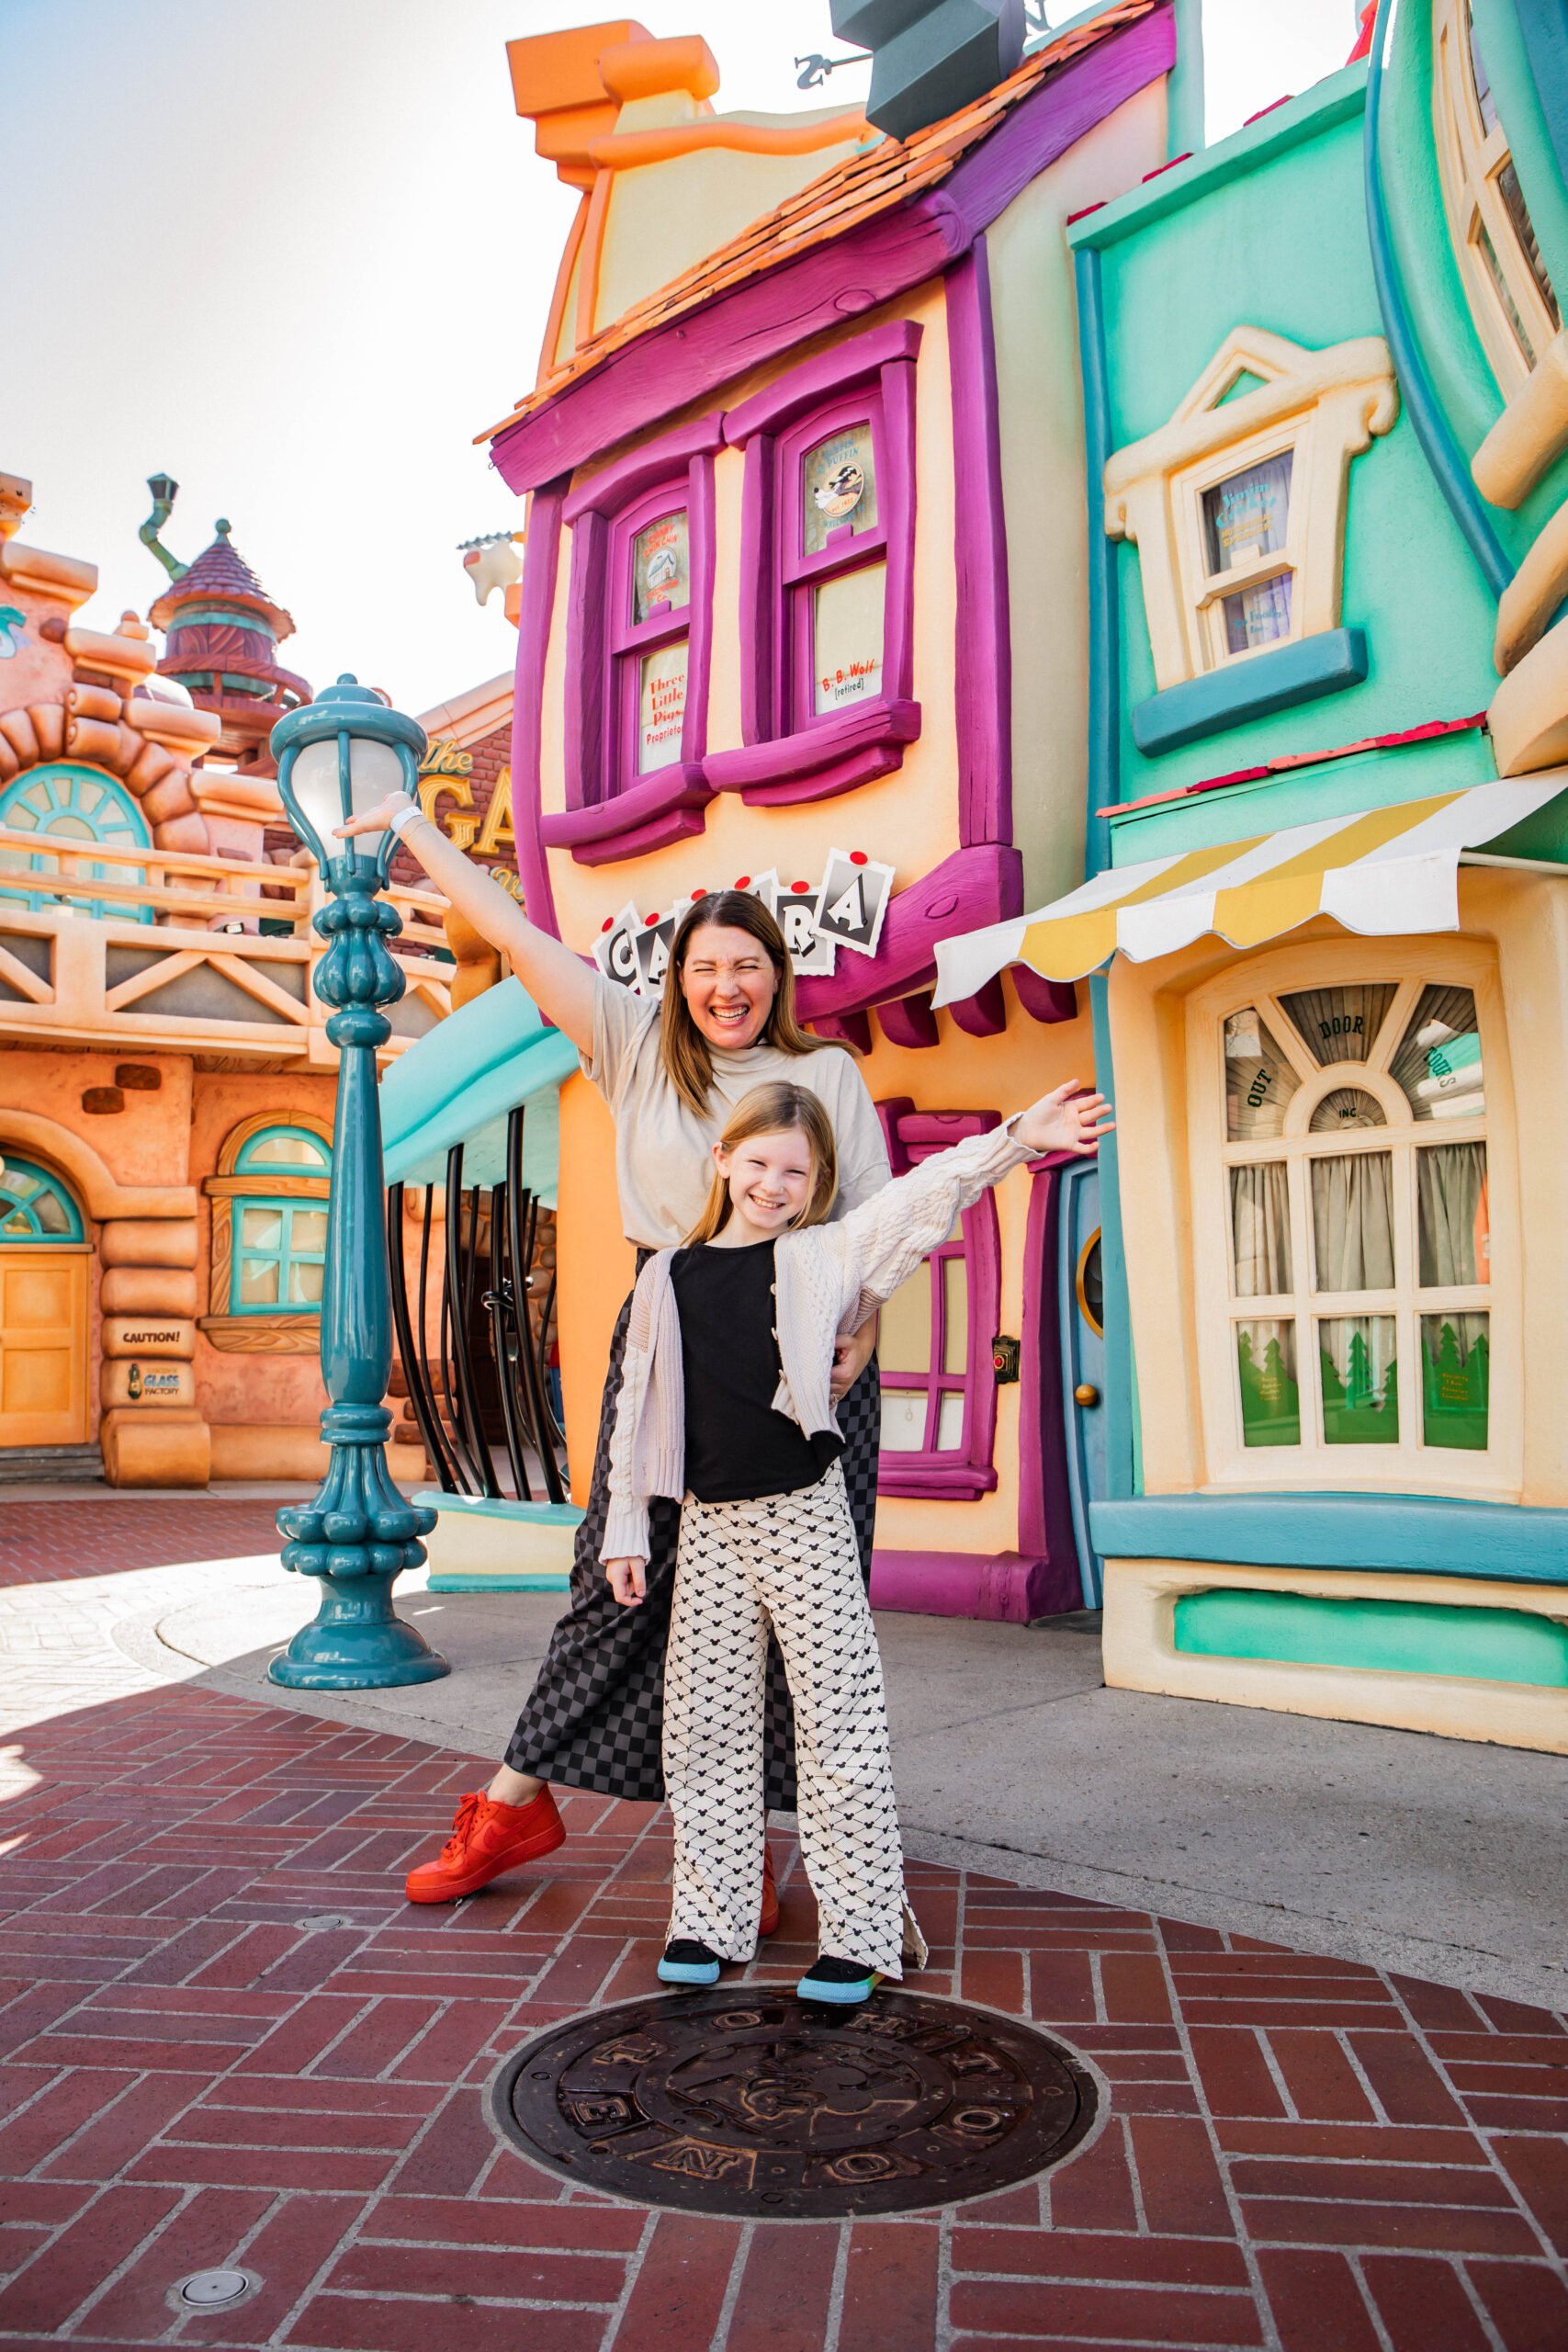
{"x": 355, "y": 1643}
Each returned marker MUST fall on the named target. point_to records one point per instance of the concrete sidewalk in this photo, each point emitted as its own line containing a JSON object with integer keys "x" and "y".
{"x": 1442, "y": 1857}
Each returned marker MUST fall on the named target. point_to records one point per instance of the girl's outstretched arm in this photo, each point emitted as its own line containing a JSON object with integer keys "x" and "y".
{"x": 560, "y": 983}
{"x": 882, "y": 1240}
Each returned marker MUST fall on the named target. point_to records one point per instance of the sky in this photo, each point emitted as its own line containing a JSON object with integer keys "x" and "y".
{"x": 297, "y": 252}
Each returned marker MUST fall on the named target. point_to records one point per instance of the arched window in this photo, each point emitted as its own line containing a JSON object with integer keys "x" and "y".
{"x": 270, "y": 1237}
{"x": 71, "y": 804}
{"x": 1344, "y": 1259}
{"x": 1510, "y": 295}
{"x": 35, "y": 1205}
{"x": 280, "y": 1247}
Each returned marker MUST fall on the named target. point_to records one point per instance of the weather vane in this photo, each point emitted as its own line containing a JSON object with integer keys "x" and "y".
{"x": 815, "y": 69}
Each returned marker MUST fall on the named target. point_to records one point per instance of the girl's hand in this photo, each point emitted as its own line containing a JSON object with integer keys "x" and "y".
{"x": 852, "y": 1350}
{"x": 375, "y": 821}
{"x": 1067, "y": 1119}
{"x": 628, "y": 1580}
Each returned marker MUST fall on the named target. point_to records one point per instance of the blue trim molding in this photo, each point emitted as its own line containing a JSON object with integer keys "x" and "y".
{"x": 1432, "y": 429}
{"x": 1299, "y": 671}
{"x": 1104, "y": 633}
{"x": 1121, "y": 1383}
{"x": 1421, "y": 1534}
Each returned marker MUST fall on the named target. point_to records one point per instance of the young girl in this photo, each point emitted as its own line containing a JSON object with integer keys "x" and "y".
{"x": 725, "y": 1406}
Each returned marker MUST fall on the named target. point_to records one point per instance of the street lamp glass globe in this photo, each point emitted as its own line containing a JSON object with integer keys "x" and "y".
{"x": 374, "y": 769}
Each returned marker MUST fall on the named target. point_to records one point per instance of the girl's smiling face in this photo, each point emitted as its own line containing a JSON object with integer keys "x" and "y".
{"x": 728, "y": 982}
{"x": 769, "y": 1178}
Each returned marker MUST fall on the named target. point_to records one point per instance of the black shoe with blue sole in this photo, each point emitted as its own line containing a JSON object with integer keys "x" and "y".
{"x": 687, "y": 1962}
{"x": 844, "y": 1983}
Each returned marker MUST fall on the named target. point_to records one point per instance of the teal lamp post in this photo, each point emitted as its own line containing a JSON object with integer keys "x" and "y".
{"x": 337, "y": 757}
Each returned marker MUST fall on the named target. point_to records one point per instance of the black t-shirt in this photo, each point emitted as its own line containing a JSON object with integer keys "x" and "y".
{"x": 737, "y": 1448}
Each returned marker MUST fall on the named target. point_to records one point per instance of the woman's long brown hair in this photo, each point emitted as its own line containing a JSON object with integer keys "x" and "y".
{"x": 684, "y": 1050}
{"x": 773, "y": 1109}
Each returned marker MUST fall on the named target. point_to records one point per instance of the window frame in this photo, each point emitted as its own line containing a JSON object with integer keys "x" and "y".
{"x": 122, "y": 844}
{"x": 967, "y": 1471}
{"x": 48, "y": 1184}
{"x": 284, "y": 1257}
{"x": 1409, "y": 1465}
{"x": 1470, "y": 162}
{"x": 1325, "y": 407}
{"x": 610, "y": 811}
{"x": 264, "y": 1329}
{"x": 790, "y": 754}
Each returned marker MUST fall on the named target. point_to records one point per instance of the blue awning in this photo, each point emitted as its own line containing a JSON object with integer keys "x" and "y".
{"x": 458, "y": 1084}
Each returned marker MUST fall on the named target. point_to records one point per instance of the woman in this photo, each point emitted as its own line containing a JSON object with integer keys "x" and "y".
{"x": 670, "y": 1074}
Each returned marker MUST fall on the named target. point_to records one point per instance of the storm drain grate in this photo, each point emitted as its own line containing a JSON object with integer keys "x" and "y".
{"x": 770, "y": 2106}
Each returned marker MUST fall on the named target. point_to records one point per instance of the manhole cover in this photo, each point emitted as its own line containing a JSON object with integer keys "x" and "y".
{"x": 767, "y": 2105}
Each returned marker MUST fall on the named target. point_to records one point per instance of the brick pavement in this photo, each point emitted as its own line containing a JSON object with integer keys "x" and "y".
{"x": 1298, "y": 2153}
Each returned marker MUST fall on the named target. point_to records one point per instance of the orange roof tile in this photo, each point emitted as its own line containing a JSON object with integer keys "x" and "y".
{"x": 882, "y": 175}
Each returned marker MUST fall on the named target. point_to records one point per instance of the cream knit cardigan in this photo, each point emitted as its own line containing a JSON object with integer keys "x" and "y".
{"x": 827, "y": 1278}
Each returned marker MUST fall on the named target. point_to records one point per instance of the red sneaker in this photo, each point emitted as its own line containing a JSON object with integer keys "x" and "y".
{"x": 768, "y": 1923}
{"x": 487, "y": 1839}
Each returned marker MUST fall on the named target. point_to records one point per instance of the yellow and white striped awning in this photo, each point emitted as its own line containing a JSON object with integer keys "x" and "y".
{"x": 1389, "y": 870}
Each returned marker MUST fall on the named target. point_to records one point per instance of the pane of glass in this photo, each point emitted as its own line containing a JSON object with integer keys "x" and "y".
{"x": 1259, "y": 1081}
{"x": 1265, "y": 1374}
{"x": 308, "y": 1232}
{"x": 1503, "y": 291}
{"x": 261, "y": 1228}
{"x": 838, "y": 485}
{"x": 949, "y": 1422}
{"x": 660, "y": 567}
{"x": 903, "y": 1420}
{"x": 50, "y": 1214}
{"x": 1483, "y": 97}
{"x": 1340, "y": 1024}
{"x": 661, "y": 705}
{"x": 286, "y": 1151}
{"x": 1248, "y": 514}
{"x": 1261, "y": 1230}
{"x": 1257, "y": 616}
{"x": 258, "y": 1281}
{"x": 17, "y": 1226}
{"x": 1439, "y": 1061}
{"x": 1091, "y": 1288}
{"x": 1361, "y": 1393}
{"x": 846, "y": 636}
{"x": 1348, "y": 1106}
{"x": 1456, "y": 1234}
{"x": 956, "y": 1315}
{"x": 905, "y": 1344}
{"x": 19, "y": 1184}
{"x": 305, "y": 1285}
{"x": 1353, "y": 1218}
{"x": 1513, "y": 197}
{"x": 1455, "y": 1360}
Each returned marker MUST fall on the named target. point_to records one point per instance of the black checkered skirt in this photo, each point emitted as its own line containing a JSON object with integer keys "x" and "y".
{"x": 594, "y": 1718}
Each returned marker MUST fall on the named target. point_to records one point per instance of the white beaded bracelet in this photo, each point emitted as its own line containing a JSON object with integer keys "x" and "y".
{"x": 405, "y": 816}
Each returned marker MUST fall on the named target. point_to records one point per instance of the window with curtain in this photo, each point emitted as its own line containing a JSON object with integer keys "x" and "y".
{"x": 1510, "y": 295}
{"x": 1246, "y": 521}
{"x": 1359, "y": 1231}
{"x": 834, "y": 559}
{"x": 939, "y": 1382}
{"x": 649, "y": 635}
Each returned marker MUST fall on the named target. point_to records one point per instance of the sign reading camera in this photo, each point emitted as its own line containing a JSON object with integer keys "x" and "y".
{"x": 846, "y": 908}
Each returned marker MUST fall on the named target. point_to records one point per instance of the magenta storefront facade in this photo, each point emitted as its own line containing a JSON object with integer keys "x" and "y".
{"x": 801, "y": 608}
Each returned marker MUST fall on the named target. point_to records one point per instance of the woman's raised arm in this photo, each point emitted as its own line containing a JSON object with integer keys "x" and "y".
{"x": 560, "y": 983}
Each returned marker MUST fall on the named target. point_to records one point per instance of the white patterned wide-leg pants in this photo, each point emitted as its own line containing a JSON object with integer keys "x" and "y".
{"x": 791, "y": 1561}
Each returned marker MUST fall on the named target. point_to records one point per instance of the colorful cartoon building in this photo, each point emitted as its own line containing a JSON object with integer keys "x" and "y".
{"x": 166, "y": 1086}
{"x": 803, "y": 606}
{"x": 1327, "y": 915}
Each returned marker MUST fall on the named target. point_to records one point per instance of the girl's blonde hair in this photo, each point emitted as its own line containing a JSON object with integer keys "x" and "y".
{"x": 773, "y": 1109}
{"x": 684, "y": 1050}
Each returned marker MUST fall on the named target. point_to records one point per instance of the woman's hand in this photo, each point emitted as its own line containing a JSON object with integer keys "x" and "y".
{"x": 628, "y": 1580}
{"x": 378, "y": 819}
{"x": 1067, "y": 1119}
{"x": 852, "y": 1350}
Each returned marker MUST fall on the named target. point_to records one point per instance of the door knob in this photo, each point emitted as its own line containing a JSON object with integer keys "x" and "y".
{"x": 1086, "y": 1394}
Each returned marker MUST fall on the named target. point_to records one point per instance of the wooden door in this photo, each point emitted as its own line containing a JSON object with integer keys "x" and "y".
{"x": 43, "y": 1346}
